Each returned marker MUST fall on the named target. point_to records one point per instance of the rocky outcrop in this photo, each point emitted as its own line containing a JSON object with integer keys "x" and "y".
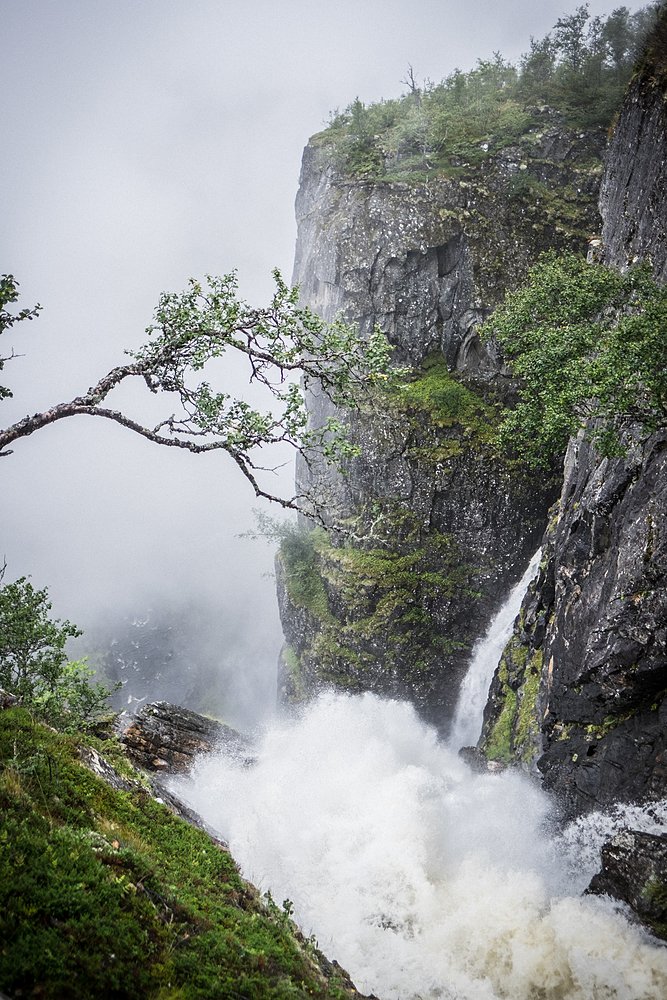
{"x": 167, "y": 738}
{"x": 400, "y": 615}
{"x": 429, "y": 261}
{"x": 428, "y": 496}
{"x": 581, "y": 686}
{"x": 580, "y": 692}
{"x": 7, "y": 699}
{"x": 634, "y": 870}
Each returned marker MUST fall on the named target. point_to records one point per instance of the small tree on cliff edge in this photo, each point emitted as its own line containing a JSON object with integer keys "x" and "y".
{"x": 198, "y": 326}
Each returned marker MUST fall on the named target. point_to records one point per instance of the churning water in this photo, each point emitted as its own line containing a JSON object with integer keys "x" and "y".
{"x": 423, "y": 879}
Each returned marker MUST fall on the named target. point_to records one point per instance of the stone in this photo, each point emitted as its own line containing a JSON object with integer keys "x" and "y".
{"x": 634, "y": 870}
{"x": 428, "y": 263}
{"x": 477, "y": 761}
{"x": 167, "y": 739}
{"x": 7, "y": 700}
{"x": 632, "y": 197}
{"x": 96, "y": 763}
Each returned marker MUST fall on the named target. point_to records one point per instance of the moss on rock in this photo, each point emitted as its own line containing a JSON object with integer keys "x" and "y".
{"x": 512, "y": 725}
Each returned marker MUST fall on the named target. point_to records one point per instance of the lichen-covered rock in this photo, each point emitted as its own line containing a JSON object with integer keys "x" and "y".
{"x": 634, "y": 870}
{"x": 168, "y": 738}
{"x": 399, "y": 613}
{"x": 429, "y": 261}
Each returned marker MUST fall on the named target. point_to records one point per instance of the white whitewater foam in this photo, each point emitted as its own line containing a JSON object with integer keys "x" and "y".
{"x": 423, "y": 879}
{"x": 486, "y": 655}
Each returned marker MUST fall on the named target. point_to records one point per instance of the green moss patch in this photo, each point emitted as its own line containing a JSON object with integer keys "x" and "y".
{"x": 298, "y": 552}
{"x": 509, "y": 733}
{"x": 447, "y": 400}
{"x": 390, "y": 596}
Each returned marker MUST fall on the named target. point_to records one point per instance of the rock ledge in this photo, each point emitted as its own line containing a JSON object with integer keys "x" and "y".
{"x": 168, "y": 738}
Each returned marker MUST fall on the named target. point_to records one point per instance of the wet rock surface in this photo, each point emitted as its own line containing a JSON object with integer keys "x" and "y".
{"x": 586, "y": 668}
{"x": 588, "y": 658}
{"x": 605, "y": 648}
{"x": 634, "y": 870}
{"x": 168, "y": 739}
{"x": 632, "y": 198}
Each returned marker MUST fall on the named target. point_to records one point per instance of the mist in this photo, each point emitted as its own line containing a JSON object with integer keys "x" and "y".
{"x": 424, "y": 880}
{"x": 145, "y": 144}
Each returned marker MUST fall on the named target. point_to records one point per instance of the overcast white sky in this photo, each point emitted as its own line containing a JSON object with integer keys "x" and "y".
{"x": 145, "y": 142}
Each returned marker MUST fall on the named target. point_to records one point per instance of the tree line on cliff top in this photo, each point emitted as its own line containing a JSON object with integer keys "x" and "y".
{"x": 580, "y": 69}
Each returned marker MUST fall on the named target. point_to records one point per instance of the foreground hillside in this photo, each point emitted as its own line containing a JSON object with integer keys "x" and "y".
{"x": 106, "y": 894}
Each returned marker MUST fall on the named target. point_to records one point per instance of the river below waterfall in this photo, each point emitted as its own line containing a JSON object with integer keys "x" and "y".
{"x": 423, "y": 879}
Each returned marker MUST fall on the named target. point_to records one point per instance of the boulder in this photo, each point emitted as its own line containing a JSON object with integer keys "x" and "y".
{"x": 7, "y": 700}
{"x": 167, "y": 738}
{"x": 634, "y": 870}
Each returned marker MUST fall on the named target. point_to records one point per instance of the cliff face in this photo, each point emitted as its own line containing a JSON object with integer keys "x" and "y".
{"x": 580, "y": 691}
{"x": 429, "y": 261}
{"x": 632, "y": 198}
{"x": 441, "y": 526}
{"x": 581, "y": 686}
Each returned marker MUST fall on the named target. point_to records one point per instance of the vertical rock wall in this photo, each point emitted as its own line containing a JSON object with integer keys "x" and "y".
{"x": 580, "y": 691}
{"x": 441, "y": 525}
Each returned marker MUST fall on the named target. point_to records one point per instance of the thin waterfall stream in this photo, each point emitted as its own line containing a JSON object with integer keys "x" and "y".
{"x": 486, "y": 654}
{"x": 423, "y": 879}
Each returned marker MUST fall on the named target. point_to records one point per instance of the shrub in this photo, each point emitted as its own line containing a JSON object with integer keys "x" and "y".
{"x": 33, "y": 662}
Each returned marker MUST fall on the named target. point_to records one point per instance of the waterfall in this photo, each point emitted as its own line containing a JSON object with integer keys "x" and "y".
{"x": 424, "y": 880}
{"x": 486, "y": 654}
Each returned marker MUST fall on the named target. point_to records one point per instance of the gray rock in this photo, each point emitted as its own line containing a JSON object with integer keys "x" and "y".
{"x": 634, "y": 870}
{"x": 427, "y": 263}
{"x": 167, "y": 738}
{"x": 96, "y": 763}
{"x": 478, "y": 762}
{"x": 632, "y": 198}
{"x": 7, "y": 699}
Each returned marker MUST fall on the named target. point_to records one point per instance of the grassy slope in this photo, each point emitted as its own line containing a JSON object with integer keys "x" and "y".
{"x": 107, "y": 894}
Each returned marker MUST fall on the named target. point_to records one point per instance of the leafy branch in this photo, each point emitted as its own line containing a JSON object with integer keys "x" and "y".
{"x": 279, "y": 342}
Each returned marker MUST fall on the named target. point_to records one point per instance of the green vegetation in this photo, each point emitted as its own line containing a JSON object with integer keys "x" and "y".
{"x": 508, "y": 737}
{"x": 105, "y": 894}
{"x": 655, "y": 893}
{"x": 391, "y": 589}
{"x": 304, "y": 584}
{"x": 580, "y": 69}
{"x": 610, "y": 723}
{"x": 33, "y": 663}
{"x": 590, "y": 349}
{"x": 653, "y": 63}
{"x": 449, "y": 403}
{"x": 527, "y": 724}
